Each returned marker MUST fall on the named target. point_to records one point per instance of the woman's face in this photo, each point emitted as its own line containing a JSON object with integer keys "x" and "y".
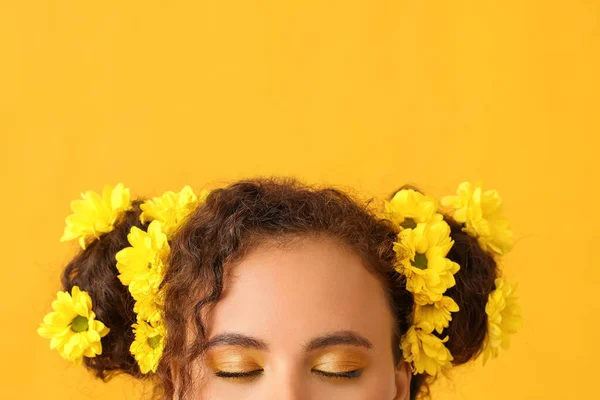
{"x": 301, "y": 321}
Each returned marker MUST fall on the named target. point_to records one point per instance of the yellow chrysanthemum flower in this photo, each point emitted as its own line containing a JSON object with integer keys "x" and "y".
{"x": 408, "y": 208}
{"x": 141, "y": 266}
{"x": 426, "y": 351}
{"x": 437, "y": 314}
{"x": 482, "y": 216}
{"x": 148, "y": 306}
{"x": 504, "y": 318}
{"x": 423, "y": 260}
{"x": 148, "y": 346}
{"x": 94, "y": 215}
{"x": 72, "y": 327}
{"x": 171, "y": 208}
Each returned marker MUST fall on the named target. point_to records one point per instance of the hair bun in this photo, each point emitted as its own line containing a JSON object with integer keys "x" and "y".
{"x": 474, "y": 283}
{"x": 94, "y": 270}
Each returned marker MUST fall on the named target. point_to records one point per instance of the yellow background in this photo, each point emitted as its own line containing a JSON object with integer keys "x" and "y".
{"x": 364, "y": 94}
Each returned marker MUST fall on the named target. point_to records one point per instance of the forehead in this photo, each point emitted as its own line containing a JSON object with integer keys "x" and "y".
{"x": 288, "y": 294}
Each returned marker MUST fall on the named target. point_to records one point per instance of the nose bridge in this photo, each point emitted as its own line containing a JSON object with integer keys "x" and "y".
{"x": 289, "y": 382}
{"x": 288, "y": 389}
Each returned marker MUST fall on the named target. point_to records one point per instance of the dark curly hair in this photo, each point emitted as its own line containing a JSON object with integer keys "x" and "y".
{"x": 232, "y": 221}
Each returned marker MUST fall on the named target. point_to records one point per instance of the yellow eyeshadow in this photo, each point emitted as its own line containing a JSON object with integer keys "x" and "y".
{"x": 340, "y": 360}
{"x": 234, "y": 359}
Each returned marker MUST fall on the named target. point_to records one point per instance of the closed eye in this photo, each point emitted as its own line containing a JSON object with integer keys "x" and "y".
{"x": 238, "y": 375}
{"x": 339, "y": 375}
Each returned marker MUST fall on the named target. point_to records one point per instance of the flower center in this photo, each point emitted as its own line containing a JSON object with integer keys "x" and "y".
{"x": 154, "y": 341}
{"x": 79, "y": 324}
{"x": 408, "y": 223}
{"x": 420, "y": 261}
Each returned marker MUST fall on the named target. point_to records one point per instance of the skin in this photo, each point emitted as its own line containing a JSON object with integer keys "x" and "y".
{"x": 301, "y": 321}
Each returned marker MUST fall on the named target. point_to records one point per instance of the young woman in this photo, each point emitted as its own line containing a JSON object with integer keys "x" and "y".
{"x": 272, "y": 289}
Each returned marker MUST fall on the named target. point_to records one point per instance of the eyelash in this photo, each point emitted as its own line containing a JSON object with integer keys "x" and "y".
{"x": 342, "y": 375}
{"x": 239, "y": 375}
{"x": 252, "y": 374}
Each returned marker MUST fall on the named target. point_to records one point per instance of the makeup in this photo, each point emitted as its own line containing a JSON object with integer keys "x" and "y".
{"x": 339, "y": 362}
{"x": 234, "y": 362}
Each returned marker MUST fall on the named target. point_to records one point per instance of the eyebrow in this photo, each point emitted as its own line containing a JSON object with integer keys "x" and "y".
{"x": 338, "y": 338}
{"x": 348, "y": 338}
{"x": 236, "y": 339}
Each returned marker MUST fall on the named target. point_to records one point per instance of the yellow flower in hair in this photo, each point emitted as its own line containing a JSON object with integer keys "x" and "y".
{"x": 437, "y": 314}
{"x": 422, "y": 260}
{"x": 171, "y": 208}
{"x": 482, "y": 216}
{"x": 148, "y": 345}
{"x": 94, "y": 215}
{"x": 504, "y": 318}
{"x": 141, "y": 266}
{"x": 72, "y": 327}
{"x": 148, "y": 305}
{"x": 426, "y": 351}
{"x": 408, "y": 208}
